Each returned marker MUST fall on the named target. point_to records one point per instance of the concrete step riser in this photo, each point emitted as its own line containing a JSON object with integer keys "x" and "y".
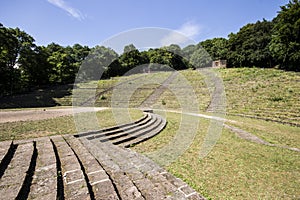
{"x": 139, "y": 134}
{"x": 130, "y": 132}
{"x": 120, "y": 130}
{"x": 91, "y": 134}
{"x": 66, "y": 167}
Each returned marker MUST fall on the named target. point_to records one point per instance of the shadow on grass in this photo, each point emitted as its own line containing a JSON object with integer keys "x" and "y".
{"x": 43, "y": 97}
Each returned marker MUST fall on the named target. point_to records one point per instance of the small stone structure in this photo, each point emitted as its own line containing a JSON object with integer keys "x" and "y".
{"x": 219, "y": 63}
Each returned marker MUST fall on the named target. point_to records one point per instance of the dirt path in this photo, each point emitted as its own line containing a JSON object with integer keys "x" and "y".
{"x": 239, "y": 132}
{"x": 253, "y": 138}
{"x": 42, "y": 113}
{"x": 152, "y": 99}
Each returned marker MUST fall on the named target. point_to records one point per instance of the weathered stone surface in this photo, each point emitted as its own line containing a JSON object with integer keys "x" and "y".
{"x": 75, "y": 186}
{"x": 14, "y": 176}
{"x": 129, "y": 134}
{"x": 83, "y": 167}
{"x": 98, "y": 178}
{"x": 44, "y": 182}
{"x": 4, "y": 148}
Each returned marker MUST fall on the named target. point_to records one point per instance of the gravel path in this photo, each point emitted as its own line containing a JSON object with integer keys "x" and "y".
{"x": 42, "y": 113}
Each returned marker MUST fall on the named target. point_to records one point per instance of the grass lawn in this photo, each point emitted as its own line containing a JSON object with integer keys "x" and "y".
{"x": 267, "y": 93}
{"x": 235, "y": 168}
{"x": 55, "y": 126}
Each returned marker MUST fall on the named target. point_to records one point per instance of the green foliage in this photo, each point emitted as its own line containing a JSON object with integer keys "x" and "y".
{"x": 165, "y": 57}
{"x": 130, "y": 59}
{"x": 264, "y": 44}
{"x": 200, "y": 58}
{"x": 250, "y": 46}
{"x": 16, "y": 53}
{"x": 285, "y": 44}
{"x": 216, "y": 48}
{"x": 24, "y": 65}
{"x": 65, "y": 61}
{"x": 98, "y": 63}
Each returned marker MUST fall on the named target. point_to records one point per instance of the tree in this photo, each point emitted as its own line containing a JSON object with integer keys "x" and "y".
{"x": 188, "y": 51}
{"x": 250, "y": 46}
{"x": 131, "y": 58}
{"x": 174, "y": 48}
{"x": 217, "y": 48}
{"x": 285, "y": 43}
{"x": 200, "y": 58}
{"x": 16, "y": 54}
{"x": 129, "y": 48}
{"x": 98, "y": 63}
{"x": 65, "y": 61}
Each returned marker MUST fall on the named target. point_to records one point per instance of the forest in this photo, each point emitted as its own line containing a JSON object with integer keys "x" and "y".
{"x": 264, "y": 44}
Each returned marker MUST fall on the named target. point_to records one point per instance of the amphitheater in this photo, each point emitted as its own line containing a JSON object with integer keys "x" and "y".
{"x": 89, "y": 165}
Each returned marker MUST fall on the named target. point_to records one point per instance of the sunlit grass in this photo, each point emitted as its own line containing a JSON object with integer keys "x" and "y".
{"x": 271, "y": 132}
{"x": 235, "y": 168}
{"x": 56, "y": 126}
{"x": 266, "y": 93}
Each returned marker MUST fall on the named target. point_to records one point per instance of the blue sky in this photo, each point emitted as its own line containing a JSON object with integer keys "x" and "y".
{"x": 90, "y": 22}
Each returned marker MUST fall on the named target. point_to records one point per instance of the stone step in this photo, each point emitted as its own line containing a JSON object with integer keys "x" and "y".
{"x": 123, "y": 135}
{"x": 74, "y": 184}
{"x": 100, "y": 182}
{"x": 94, "y": 134}
{"x": 15, "y": 174}
{"x": 145, "y": 135}
{"x": 125, "y": 187}
{"x": 142, "y": 180}
{"x": 44, "y": 183}
{"x": 173, "y": 187}
{"x": 5, "y": 148}
{"x": 138, "y": 135}
{"x": 122, "y": 129}
{"x": 151, "y": 180}
{"x": 129, "y": 134}
{"x": 147, "y": 189}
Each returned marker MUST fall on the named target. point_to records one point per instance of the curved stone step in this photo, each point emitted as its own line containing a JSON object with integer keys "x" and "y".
{"x": 65, "y": 167}
{"x": 74, "y": 184}
{"x": 44, "y": 181}
{"x": 15, "y": 174}
{"x": 102, "y": 186}
{"x": 125, "y": 187}
{"x": 129, "y": 134}
{"x": 5, "y": 147}
{"x": 121, "y": 129}
{"x": 97, "y": 133}
{"x": 125, "y": 134}
{"x": 152, "y": 181}
{"x": 81, "y": 167}
{"x": 145, "y": 135}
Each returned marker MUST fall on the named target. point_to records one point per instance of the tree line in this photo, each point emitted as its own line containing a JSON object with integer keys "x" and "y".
{"x": 264, "y": 44}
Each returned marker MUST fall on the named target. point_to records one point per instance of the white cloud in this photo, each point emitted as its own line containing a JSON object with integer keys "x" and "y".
{"x": 182, "y": 35}
{"x": 63, "y": 5}
{"x": 189, "y": 29}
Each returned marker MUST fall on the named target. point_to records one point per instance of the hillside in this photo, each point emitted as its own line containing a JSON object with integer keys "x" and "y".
{"x": 269, "y": 94}
{"x": 238, "y": 166}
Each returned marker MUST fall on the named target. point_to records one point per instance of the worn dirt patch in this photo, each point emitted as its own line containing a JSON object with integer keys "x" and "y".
{"x": 43, "y": 113}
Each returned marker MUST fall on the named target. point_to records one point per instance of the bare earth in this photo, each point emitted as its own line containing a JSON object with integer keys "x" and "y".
{"x": 42, "y": 113}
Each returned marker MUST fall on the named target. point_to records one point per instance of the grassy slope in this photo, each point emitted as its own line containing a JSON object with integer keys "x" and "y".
{"x": 55, "y": 126}
{"x": 266, "y": 93}
{"x": 239, "y": 169}
{"x": 235, "y": 168}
